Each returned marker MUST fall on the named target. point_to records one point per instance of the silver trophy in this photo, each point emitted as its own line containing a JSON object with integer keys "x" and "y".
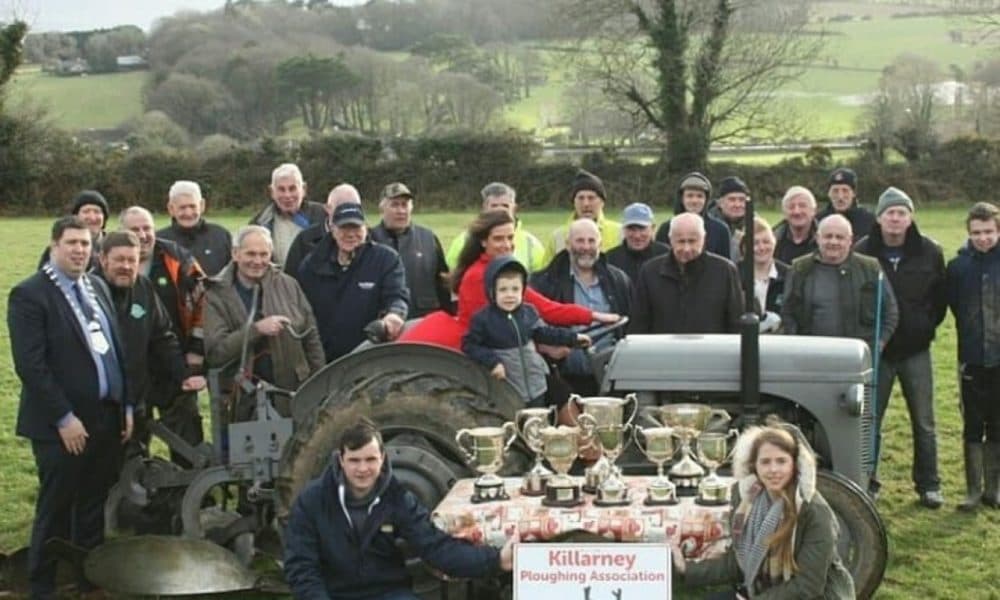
{"x": 611, "y": 431}
{"x": 486, "y": 451}
{"x": 658, "y": 446}
{"x": 687, "y": 421}
{"x": 713, "y": 451}
{"x": 529, "y": 422}
{"x": 560, "y": 446}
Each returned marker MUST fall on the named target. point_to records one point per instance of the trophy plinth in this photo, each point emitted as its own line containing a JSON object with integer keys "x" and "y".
{"x": 559, "y": 447}
{"x": 687, "y": 421}
{"x": 529, "y": 422}
{"x": 658, "y": 448}
{"x": 610, "y": 426}
{"x": 713, "y": 451}
{"x": 485, "y": 448}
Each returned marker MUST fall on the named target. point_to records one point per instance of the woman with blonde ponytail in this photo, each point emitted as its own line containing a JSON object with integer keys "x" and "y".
{"x": 784, "y": 542}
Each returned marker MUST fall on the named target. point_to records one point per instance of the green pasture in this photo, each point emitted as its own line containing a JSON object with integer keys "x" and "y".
{"x": 826, "y": 100}
{"x": 88, "y": 102}
{"x": 933, "y": 554}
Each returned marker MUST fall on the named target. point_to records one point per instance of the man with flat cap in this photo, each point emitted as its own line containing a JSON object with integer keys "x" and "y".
{"x": 418, "y": 247}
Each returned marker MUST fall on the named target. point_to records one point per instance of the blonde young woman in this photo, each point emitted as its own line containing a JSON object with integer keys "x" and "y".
{"x": 784, "y": 533}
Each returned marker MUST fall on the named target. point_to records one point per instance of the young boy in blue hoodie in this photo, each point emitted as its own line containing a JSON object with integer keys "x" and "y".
{"x": 502, "y": 335}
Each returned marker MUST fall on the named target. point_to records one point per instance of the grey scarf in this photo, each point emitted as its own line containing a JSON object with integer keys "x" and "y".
{"x": 751, "y": 549}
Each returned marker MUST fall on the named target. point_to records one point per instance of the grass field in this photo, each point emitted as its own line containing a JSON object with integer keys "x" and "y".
{"x": 933, "y": 554}
{"x": 825, "y": 100}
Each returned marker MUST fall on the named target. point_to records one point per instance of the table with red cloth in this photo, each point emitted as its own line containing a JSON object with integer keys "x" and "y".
{"x": 701, "y": 531}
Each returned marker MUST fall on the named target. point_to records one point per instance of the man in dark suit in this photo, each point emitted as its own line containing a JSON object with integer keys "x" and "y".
{"x": 74, "y": 405}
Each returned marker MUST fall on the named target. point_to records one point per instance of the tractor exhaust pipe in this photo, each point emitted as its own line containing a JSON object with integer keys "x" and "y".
{"x": 749, "y": 329}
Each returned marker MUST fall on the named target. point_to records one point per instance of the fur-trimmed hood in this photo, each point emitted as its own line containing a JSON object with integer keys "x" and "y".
{"x": 805, "y": 465}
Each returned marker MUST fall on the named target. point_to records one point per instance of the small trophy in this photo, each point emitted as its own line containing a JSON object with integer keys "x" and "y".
{"x": 611, "y": 431}
{"x": 659, "y": 448}
{"x": 486, "y": 452}
{"x": 713, "y": 451}
{"x": 529, "y": 423}
{"x": 559, "y": 447}
{"x": 687, "y": 421}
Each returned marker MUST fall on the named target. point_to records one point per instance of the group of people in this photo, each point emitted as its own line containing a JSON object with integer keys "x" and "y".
{"x": 150, "y": 310}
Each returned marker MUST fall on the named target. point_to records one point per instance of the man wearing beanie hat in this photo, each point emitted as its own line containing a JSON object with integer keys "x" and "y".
{"x": 588, "y": 203}
{"x": 692, "y": 196}
{"x": 92, "y": 208}
{"x": 914, "y": 265}
{"x": 842, "y": 191}
{"x": 730, "y": 208}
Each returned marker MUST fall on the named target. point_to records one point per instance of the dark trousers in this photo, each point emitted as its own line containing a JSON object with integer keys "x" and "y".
{"x": 180, "y": 414}
{"x": 71, "y": 494}
{"x": 980, "y": 404}
{"x": 916, "y": 379}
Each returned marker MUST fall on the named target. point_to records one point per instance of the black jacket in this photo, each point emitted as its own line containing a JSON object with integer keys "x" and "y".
{"x": 786, "y": 250}
{"x": 345, "y": 299}
{"x": 556, "y": 283}
{"x": 918, "y": 281}
{"x": 52, "y": 357}
{"x": 703, "y": 298}
{"x": 862, "y": 220}
{"x": 631, "y": 261}
{"x": 775, "y": 289}
{"x": 426, "y": 269}
{"x": 326, "y": 557}
{"x": 150, "y": 345}
{"x": 304, "y": 243}
{"x": 210, "y": 244}
{"x": 973, "y": 284}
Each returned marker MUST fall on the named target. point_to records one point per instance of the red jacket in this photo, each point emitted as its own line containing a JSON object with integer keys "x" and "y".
{"x": 445, "y": 330}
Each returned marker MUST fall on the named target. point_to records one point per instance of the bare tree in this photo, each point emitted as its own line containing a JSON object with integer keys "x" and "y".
{"x": 698, "y": 71}
{"x": 903, "y": 114}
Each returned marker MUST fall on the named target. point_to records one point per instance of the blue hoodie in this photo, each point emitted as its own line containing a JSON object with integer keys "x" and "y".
{"x": 973, "y": 284}
{"x": 496, "y": 336}
{"x": 328, "y": 557}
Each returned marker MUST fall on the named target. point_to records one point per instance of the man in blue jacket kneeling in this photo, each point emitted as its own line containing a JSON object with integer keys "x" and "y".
{"x": 341, "y": 537}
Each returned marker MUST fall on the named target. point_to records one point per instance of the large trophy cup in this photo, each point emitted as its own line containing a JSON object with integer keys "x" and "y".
{"x": 658, "y": 448}
{"x": 486, "y": 451}
{"x": 559, "y": 447}
{"x": 611, "y": 432}
{"x": 687, "y": 421}
{"x": 713, "y": 451}
{"x": 529, "y": 422}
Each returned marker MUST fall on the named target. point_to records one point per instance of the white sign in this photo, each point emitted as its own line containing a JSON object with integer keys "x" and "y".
{"x": 592, "y": 571}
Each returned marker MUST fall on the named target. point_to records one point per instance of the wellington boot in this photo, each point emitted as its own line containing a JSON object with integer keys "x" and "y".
{"x": 973, "y": 477}
{"x": 991, "y": 475}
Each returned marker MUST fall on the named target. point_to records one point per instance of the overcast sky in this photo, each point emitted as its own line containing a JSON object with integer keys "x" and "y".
{"x": 69, "y": 15}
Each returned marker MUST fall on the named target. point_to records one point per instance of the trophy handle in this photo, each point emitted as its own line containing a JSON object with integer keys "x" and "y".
{"x": 634, "y": 401}
{"x": 627, "y": 431}
{"x": 575, "y": 400}
{"x": 530, "y": 428}
{"x": 718, "y": 413}
{"x": 463, "y": 434}
{"x": 509, "y": 429}
{"x": 647, "y": 414}
{"x": 735, "y": 434}
{"x": 553, "y": 416}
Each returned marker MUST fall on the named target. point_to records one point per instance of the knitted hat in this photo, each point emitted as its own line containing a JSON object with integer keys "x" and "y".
{"x": 844, "y": 176}
{"x": 893, "y": 197}
{"x": 585, "y": 180}
{"x": 90, "y": 197}
{"x": 695, "y": 181}
{"x": 732, "y": 184}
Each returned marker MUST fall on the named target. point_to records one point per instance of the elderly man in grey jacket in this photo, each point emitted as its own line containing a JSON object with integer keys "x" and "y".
{"x": 283, "y": 339}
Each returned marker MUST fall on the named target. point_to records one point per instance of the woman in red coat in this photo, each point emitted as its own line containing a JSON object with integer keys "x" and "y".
{"x": 490, "y": 235}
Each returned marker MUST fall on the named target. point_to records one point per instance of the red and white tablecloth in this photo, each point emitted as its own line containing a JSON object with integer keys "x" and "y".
{"x": 701, "y": 531}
